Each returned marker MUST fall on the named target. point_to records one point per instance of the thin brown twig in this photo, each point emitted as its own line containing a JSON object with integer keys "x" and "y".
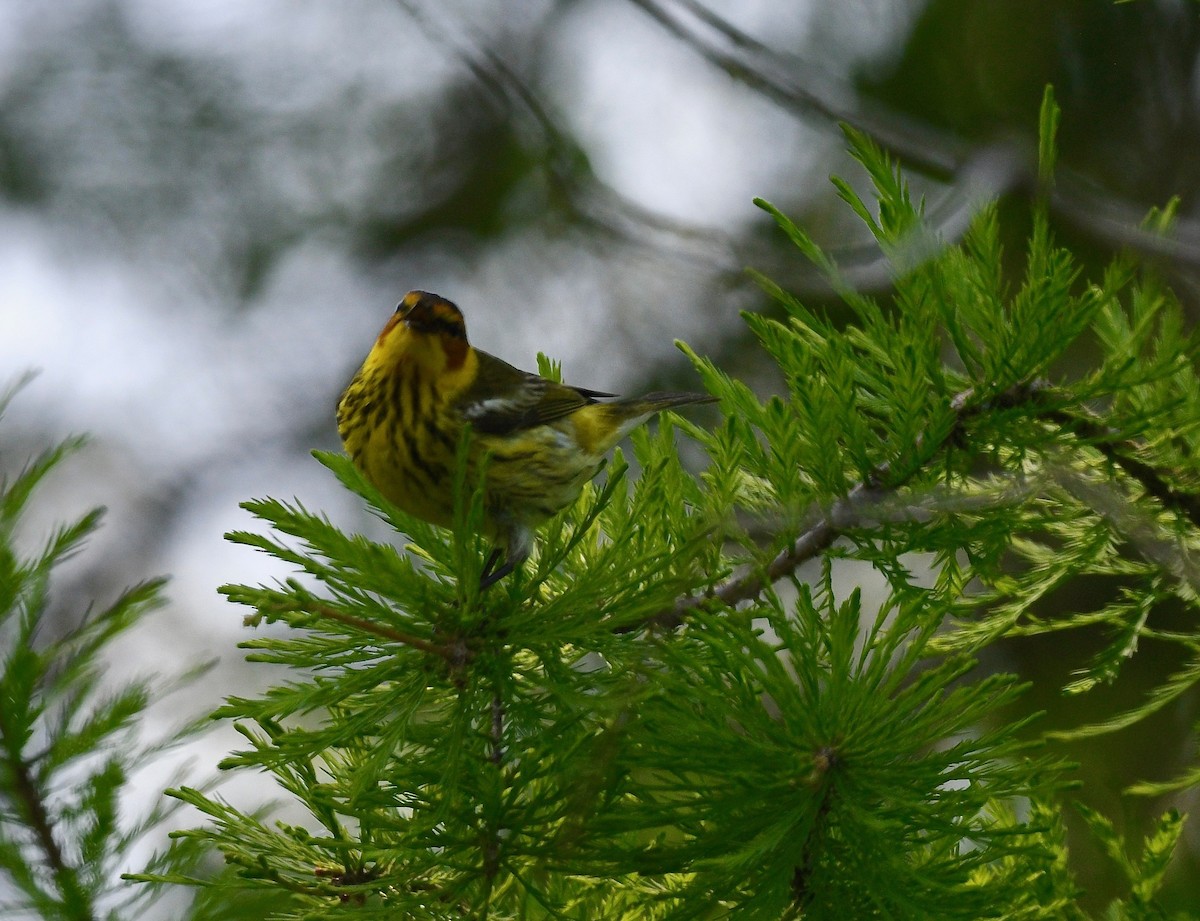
{"x": 497, "y": 731}
{"x": 833, "y": 520}
{"x": 383, "y": 631}
{"x": 828, "y": 524}
{"x": 1120, "y": 454}
{"x": 753, "y": 581}
{"x": 30, "y": 804}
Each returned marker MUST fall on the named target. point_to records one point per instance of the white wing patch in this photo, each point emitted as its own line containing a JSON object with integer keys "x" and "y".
{"x": 494, "y": 406}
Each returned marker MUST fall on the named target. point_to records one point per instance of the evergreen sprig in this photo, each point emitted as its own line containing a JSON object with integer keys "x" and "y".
{"x": 674, "y": 711}
{"x": 70, "y": 740}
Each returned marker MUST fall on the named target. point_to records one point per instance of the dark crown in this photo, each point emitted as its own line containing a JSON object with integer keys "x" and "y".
{"x": 430, "y": 313}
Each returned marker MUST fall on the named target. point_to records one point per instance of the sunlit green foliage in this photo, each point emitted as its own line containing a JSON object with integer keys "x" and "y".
{"x": 672, "y": 711}
{"x": 70, "y": 739}
{"x": 677, "y": 708}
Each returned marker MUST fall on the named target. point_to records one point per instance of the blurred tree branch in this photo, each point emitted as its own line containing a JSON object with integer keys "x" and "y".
{"x": 976, "y": 174}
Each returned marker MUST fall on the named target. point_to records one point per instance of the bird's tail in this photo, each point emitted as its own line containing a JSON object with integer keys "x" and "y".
{"x": 666, "y": 399}
{"x": 628, "y": 414}
{"x": 599, "y": 426}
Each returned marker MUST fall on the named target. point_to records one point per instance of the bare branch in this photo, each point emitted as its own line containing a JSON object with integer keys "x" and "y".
{"x": 994, "y": 170}
{"x": 863, "y": 503}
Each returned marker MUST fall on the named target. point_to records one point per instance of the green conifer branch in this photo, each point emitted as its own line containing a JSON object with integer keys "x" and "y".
{"x": 68, "y": 740}
{"x": 533, "y": 751}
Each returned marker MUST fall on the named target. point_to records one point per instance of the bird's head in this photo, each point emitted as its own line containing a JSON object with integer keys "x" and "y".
{"x": 423, "y": 312}
{"x": 427, "y": 328}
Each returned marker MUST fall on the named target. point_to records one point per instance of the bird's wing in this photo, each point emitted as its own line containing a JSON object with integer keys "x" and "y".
{"x": 503, "y": 399}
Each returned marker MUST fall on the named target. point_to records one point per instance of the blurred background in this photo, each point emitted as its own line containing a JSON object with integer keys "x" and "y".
{"x": 209, "y": 208}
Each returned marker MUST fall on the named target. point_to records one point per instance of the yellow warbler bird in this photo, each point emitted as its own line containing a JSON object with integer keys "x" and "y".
{"x": 422, "y": 383}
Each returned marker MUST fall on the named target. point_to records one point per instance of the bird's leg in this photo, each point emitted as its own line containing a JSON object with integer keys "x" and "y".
{"x": 491, "y": 573}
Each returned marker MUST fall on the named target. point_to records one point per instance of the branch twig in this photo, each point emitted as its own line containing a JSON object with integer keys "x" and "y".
{"x": 994, "y": 169}
{"x": 30, "y": 805}
{"x": 383, "y": 631}
{"x": 832, "y": 521}
{"x": 828, "y": 525}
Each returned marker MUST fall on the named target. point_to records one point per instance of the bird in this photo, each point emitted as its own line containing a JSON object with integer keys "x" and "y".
{"x": 422, "y": 383}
